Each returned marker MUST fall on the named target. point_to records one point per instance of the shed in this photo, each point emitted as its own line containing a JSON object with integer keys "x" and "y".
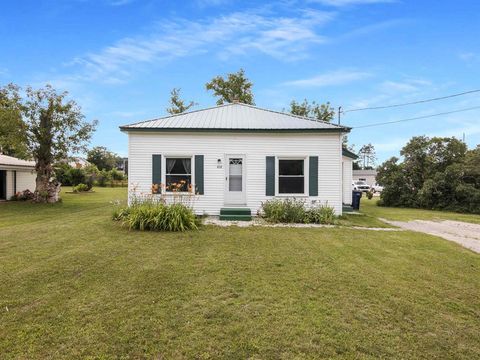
{"x": 15, "y": 175}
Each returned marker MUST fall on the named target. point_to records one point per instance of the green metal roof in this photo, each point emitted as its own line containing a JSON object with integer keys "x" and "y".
{"x": 235, "y": 117}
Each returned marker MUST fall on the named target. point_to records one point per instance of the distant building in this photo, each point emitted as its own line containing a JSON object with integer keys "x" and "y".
{"x": 369, "y": 176}
{"x": 122, "y": 165}
{"x": 78, "y": 163}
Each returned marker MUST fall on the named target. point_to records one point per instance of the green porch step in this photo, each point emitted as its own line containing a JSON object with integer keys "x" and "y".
{"x": 236, "y": 214}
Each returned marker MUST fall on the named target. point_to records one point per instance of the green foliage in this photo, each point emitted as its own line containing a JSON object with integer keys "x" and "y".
{"x": 102, "y": 178}
{"x": 321, "y": 214}
{"x": 157, "y": 217}
{"x": 77, "y": 176}
{"x": 323, "y": 112}
{"x": 437, "y": 173}
{"x": 13, "y": 138}
{"x": 116, "y": 175}
{"x": 294, "y": 211}
{"x": 102, "y": 158}
{"x": 369, "y": 194}
{"x": 236, "y": 87}
{"x": 284, "y": 211}
{"x": 80, "y": 188}
{"x": 177, "y": 105}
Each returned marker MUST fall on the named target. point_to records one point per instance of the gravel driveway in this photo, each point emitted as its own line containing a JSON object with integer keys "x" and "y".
{"x": 465, "y": 234}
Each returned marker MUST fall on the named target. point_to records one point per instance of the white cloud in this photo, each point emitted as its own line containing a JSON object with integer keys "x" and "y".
{"x": 342, "y": 3}
{"x": 339, "y": 77}
{"x": 285, "y": 38}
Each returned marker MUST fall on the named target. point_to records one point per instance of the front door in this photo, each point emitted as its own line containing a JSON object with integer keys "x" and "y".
{"x": 235, "y": 180}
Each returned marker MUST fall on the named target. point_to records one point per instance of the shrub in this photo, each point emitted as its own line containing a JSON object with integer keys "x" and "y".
{"x": 62, "y": 174}
{"x": 370, "y": 195}
{"x": 284, "y": 211}
{"x": 77, "y": 176}
{"x": 116, "y": 175}
{"x": 22, "y": 196}
{"x": 80, "y": 188}
{"x": 102, "y": 178}
{"x": 157, "y": 217}
{"x": 321, "y": 214}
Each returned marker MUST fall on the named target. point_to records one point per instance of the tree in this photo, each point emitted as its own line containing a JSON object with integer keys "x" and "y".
{"x": 436, "y": 173}
{"x": 368, "y": 156}
{"x": 102, "y": 158}
{"x": 322, "y": 112}
{"x": 177, "y": 105}
{"x": 54, "y": 127}
{"x": 236, "y": 87}
{"x": 13, "y": 140}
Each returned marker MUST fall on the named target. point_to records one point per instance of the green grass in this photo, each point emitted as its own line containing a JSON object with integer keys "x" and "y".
{"x": 369, "y": 208}
{"x": 77, "y": 285}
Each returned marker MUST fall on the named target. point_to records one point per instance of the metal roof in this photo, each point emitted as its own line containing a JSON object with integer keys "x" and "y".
{"x": 349, "y": 154}
{"x": 235, "y": 117}
{"x": 11, "y": 161}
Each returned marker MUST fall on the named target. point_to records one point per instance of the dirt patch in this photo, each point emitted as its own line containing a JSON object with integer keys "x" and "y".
{"x": 465, "y": 234}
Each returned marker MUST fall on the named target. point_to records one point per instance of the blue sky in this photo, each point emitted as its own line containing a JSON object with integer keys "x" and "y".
{"x": 119, "y": 59}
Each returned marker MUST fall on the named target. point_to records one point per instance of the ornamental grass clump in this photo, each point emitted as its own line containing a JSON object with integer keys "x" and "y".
{"x": 163, "y": 209}
{"x": 157, "y": 217}
{"x": 321, "y": 214}
{"x": 295, "y": 211}
{"x": 284, "y": 211}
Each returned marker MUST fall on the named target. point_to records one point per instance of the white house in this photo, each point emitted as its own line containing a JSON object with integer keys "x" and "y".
{"x": 238, "y": 156}
{"x": 15, "y": 175}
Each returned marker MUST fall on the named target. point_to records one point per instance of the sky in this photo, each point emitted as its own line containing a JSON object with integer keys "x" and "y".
{"x": 119, "y": 59}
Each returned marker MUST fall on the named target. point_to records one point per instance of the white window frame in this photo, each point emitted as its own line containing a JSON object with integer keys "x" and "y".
{"x": 164, "y": 173}
{"x": 305, "y": 175}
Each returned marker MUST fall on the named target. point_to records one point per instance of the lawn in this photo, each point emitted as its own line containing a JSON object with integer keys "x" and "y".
{"x": 73, "y": 284}
{"x": 369, "y": 208}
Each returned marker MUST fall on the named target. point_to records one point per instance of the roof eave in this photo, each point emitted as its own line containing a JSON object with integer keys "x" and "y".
{"x": 313, "y": 130}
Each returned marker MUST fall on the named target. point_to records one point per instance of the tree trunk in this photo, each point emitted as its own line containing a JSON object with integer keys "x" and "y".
{"x": 47, "y": 188}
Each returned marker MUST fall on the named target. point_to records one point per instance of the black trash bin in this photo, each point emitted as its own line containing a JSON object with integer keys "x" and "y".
{"x": 356, "y": 195}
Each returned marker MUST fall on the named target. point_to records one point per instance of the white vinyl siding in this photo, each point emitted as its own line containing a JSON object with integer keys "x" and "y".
{"x": 347, "y": 165}
{"x": 255, "y": 147}
{"x": 25, "y": 181}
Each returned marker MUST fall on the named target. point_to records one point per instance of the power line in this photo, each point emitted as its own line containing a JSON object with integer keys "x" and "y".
{"x": 417, "y": 118}
{"x": 413, "y": 102}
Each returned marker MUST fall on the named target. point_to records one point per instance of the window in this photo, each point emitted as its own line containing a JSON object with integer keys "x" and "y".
{"x": 291, "y": 176}
{"x": 235, "y": 174}
{"x": 178, "y": 175}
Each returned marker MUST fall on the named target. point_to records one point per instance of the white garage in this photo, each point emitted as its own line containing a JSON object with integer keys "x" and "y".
{"x": 16, "y": 175}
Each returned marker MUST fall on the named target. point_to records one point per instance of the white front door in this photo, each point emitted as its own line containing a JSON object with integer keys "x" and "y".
{"x": 235, "y": 180}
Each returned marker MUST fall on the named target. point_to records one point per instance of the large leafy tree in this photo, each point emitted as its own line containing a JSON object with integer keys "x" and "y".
{"x": 178, "y": 105}
{"x": 102, "y": 158}
{"x": 322, "y": 112}
{"x": 436, "y": 173}
{"x": 235, "y": 87}
{"x": 13, "y": 140}
{"x": 54, "y": 128}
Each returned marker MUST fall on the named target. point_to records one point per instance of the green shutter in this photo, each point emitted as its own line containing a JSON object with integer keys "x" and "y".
{"x": 157, "y": 171}
{"x": 199, "y": 175}
{"x": 270, "y": 176}
{"x": 313, "y": 176}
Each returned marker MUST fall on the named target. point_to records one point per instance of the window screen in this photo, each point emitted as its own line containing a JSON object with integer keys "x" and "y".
{"x": 291, "y": 177}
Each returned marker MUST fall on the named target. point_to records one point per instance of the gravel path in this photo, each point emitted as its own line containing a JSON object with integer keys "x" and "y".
{"x": 465, "y": 234}
{"x": 259, "y": 222}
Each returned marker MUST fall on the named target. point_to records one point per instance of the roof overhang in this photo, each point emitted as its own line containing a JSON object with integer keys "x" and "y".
{"x": 349, "y": 154}
{"x": 206, "y": 130}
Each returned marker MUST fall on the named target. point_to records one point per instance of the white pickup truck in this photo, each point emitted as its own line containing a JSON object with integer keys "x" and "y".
{"x": 360, "y": 186}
